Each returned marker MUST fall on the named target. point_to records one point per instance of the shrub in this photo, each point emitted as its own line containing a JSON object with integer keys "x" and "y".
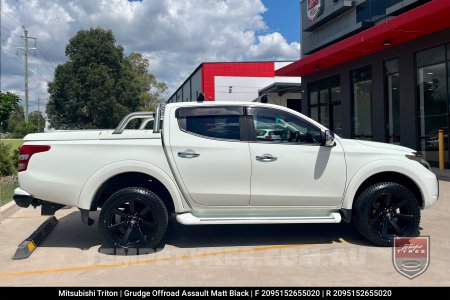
{"x": 7, "y": 161}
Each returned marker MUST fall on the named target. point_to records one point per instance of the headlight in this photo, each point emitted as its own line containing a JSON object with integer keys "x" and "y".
{"x": 417, "y": 156}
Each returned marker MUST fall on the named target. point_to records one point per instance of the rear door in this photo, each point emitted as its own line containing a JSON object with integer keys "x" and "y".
{"x": 211, "y": 154}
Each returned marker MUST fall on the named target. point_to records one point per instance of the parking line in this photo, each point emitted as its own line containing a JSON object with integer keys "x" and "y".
{"x": 154, "y": 260}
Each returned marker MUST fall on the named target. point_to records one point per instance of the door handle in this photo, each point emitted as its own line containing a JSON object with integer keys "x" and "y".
{"x": 266, "y": 157}
{"x": 188, "y": 154}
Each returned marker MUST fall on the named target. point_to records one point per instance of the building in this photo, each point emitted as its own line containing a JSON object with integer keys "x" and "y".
{"x": 377, "y": 69}
{"x": 237, "y": 81}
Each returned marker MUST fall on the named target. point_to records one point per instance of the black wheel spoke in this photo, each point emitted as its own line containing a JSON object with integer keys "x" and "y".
{"x": 117, "y": 226}
{"x": 400, "y": 204}
{"x": 141, "y": 235}
{"x": 131, "y": 204}
{"x": 145, "y": 210}
{"x": 396, "y": 227}
{"x": 149, "y": 225}
{"x": 384, "y": 228}
{"x": 126, "y": 236}
{"x": 376, "y": 205}
{"x": 120, "y": 213}
{"x": 405, "y": 217}
{"x": 388, "y": 200}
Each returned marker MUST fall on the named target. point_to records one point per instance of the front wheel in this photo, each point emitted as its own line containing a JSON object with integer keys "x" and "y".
{"x": 386, "y": 210}
{"x": 133, "y": 218}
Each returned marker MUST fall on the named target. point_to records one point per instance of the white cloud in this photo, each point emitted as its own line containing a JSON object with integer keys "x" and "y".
{"x": 176, "y": 35}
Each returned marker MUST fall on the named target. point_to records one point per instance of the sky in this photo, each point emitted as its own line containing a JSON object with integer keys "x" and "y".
{"x": 176, "y": 36}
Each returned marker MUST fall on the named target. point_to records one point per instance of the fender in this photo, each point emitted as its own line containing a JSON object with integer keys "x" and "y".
{"x": 379, "y": 166}
{"x": 103, "y": 174}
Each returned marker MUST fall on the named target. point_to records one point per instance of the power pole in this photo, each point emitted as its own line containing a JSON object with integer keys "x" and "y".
{"x": 26, "y": 50}
{"x": 39, "y": 116}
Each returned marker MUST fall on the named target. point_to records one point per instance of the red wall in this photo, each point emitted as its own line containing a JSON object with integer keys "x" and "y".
{"x": 209, "y": 70}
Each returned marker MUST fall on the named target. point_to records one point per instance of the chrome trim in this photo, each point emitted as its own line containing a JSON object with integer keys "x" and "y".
{"x": 188, "y": 154}
{"x": 266, "y": 157}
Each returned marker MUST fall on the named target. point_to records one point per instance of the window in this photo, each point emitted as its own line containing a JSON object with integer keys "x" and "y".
{"x": 277, "y": 126}
{"x": 392, "y": 101}
{"x": 325, "y": 102}
{"x": 371, "y": 10}
{"x": 212, "y": 122}
{"x": 432, "y": 76}
{"x": 362, "y": 103}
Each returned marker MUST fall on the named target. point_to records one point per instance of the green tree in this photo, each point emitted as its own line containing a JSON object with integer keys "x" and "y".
{"x": 16, "y": 117}
{"x": 9, "y": 102}
{"x": 150, "y": 88}
{"x": 96, "y": 87}
{"x": 17, "y": 125}
{"x": 37, "y": 119}
{"x": 22, "y": 129}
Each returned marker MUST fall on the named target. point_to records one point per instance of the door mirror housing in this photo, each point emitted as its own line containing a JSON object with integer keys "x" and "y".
{"x": 328, "y": 138}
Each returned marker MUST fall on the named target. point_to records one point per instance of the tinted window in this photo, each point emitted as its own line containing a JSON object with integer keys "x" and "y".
{"x": 276, "y": 126}
{"x": 219, "y": 127}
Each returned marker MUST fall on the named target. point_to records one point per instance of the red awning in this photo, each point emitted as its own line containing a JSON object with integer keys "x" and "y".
{"x": 428, "y": 18}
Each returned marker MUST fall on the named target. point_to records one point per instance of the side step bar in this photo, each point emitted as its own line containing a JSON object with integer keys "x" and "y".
{"x": 190, "y": 219}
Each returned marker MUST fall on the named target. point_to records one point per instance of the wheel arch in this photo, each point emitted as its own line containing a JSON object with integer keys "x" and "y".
{"x": 369, "y": 175}
{"x": 123, "y": 174}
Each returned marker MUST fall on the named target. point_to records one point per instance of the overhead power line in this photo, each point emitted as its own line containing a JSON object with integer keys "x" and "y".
{"x": 14, "y": 20}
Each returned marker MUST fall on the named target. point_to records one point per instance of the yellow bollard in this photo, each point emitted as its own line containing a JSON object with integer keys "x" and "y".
{"x": 441, "y": 150}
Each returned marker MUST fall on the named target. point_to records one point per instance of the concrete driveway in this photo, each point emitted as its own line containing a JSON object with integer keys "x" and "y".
{"x": 238, "y": 255}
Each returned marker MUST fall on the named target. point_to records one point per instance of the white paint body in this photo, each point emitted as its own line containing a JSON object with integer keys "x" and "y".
{"x": 225, "y": 184}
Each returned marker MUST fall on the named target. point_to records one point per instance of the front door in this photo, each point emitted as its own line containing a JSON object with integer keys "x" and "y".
{"x": 211, "y": 156}
{"x": 289, "y": 166}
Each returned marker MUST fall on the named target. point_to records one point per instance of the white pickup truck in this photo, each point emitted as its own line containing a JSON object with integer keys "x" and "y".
{"x": 207, "y": 165}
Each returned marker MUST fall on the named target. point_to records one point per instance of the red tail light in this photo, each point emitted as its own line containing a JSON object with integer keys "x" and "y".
{"x": 26, "y": 151}
{"x": 269, "y": 137}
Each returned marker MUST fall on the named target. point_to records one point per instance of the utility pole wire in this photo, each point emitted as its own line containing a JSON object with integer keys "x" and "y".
{"x": 14, "y": 20}
{"x": 26, "y": 50}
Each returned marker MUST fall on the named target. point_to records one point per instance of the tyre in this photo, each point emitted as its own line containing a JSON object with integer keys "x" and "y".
{"x": 133, "y": 218}
{"x": 386, "y": 210}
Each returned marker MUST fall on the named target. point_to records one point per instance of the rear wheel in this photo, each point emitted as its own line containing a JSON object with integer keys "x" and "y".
{"x": 133, "y": 218}
{"x": 386, "y": 210}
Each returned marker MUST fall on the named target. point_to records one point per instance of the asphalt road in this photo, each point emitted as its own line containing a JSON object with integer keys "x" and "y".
{"x": 236, "y": 255}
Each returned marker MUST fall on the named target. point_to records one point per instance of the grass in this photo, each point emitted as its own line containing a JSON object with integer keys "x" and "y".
{"x": 6, "y": 192}
{"x": 14, "y": 143}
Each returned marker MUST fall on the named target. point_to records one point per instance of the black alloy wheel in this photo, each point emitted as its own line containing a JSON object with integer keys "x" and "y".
{"x": 133, "y": 218}
{"x": 391, "y": 216}
{"x": 384, "y": 211}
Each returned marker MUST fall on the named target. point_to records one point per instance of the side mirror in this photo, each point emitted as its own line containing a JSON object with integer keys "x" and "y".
{"x": 328, "y": 138}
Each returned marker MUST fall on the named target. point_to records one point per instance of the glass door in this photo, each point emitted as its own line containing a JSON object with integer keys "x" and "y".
{"x": 433, "y": 102}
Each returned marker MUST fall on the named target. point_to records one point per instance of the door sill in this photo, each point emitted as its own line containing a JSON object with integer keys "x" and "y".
{"x": 190, "y": 219}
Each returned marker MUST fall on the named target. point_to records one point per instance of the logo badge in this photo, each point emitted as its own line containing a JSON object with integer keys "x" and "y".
{"x": 315, "y": 9}
{"x": 411, "y": 255}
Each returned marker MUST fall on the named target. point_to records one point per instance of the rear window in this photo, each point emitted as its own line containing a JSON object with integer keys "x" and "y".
{"x": 211, "y": 122}
{"x": 219, "y": 127}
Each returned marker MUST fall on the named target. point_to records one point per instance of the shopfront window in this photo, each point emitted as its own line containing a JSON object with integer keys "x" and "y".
{"x": 362, "y": 103}
{"x": 432, "y": 82}
{"x": 325, "y": 103}
{"x": 392, "y": 101}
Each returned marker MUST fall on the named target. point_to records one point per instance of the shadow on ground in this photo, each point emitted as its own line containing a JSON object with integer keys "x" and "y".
{"x": 70, "y": 232}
